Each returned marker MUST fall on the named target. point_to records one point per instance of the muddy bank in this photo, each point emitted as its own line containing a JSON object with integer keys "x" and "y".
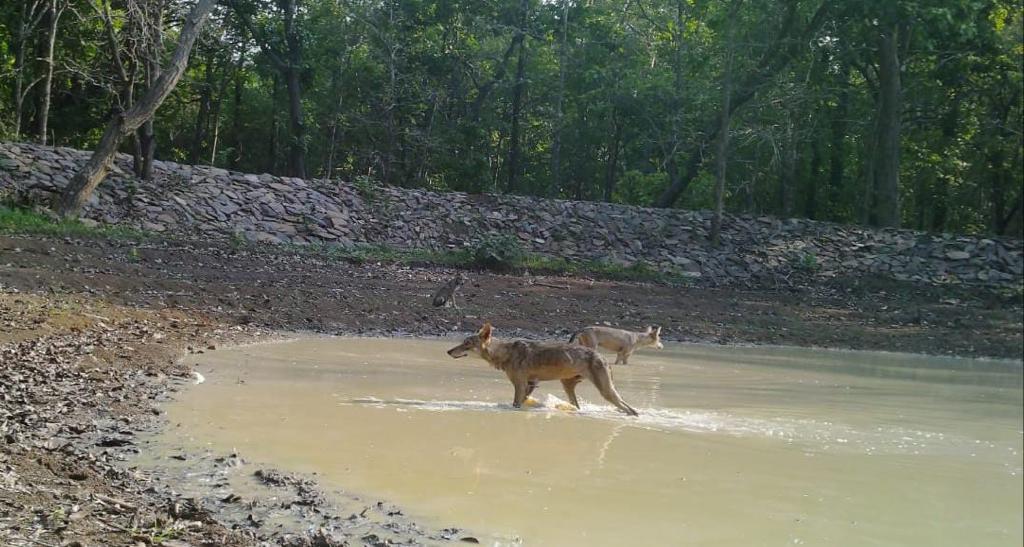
{"x": 80, "y": 385}
{"x": 273, "y": 289}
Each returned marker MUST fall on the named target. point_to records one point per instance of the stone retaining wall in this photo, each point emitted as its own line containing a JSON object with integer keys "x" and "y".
{"x": 212, "y": 202}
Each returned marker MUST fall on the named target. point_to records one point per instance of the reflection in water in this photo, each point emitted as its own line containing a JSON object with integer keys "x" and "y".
{"x": 894, "y": 366}
{"x": 733, "y": 445}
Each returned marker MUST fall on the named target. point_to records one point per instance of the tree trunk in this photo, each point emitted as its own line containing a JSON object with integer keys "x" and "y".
{"x": 236, "y": 120}
{"x": 274, "y": 128}
{"x": 288, "y": 64}
{"x": 19, "y": 82}
{"x": 611, "y": 170}
{"x": 556, "y": 140}
{"x": 216, "y": 137}
{"x": 721, "y": 155}
{"x": 147, "y": 142}
{"x": 1003, "y": 171}
{"x": 788, "y": 173}
{"x": 85, "y": 181}
{"x": 332, "y": 147}
{"x": 332, "y": 126}
{"x": 390, "y": 105}
{"x": 887, "y": 164}
{"x": 43, "y": 116}
{"x": 202, "y": 123}
{"x": 837, "y": 146}
{"x": 215, "y": 109}
{"x": 297, "y": 150}
{"x": 811, "y": 202}
{"x": 421, "y": 170}
{"x": 32, "y": 13}
{"x": 147, "y": 136}
{"x": 515, "y": 146}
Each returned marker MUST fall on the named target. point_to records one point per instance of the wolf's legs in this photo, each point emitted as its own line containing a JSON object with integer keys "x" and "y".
{"x": 569, "y": 384}
{"x": 620, "y": 358}
{"x": 520, "y": 393}
{"x": 602, "y": 378}
{"x": 530, "y": 386}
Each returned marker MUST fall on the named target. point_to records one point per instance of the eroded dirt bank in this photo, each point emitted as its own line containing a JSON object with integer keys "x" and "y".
{"x": 80, "y": 383}
{"x": 91, "y": 333}
{"x": 296, "y": 292}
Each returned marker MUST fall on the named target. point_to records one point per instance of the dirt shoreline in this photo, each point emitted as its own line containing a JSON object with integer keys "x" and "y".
{"x": 92, "y": 333}
{"x": 80, "y": 402}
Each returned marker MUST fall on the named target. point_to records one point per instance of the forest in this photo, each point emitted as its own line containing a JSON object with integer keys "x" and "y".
{"x": 889, "y": 113}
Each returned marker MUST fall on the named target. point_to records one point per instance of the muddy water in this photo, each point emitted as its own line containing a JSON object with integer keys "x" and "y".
{"x": 734, "y": 446}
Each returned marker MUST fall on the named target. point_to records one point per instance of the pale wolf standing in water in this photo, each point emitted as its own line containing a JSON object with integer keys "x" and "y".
{"x": 623, "y": 342}
{"x": 526, "y": 363}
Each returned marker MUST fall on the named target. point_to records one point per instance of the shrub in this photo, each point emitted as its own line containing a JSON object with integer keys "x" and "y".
{"x": 805, "y": 262}
{"x": 499, "y": 253}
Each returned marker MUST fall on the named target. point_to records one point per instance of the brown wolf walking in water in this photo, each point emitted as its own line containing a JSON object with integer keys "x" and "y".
{"x": 526, "y": 363}
{"x": 623, "y": 342}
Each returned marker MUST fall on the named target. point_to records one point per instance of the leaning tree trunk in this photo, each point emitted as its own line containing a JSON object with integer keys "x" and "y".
{"x": 887, "y": 164}
{"x": 121, "y": 125}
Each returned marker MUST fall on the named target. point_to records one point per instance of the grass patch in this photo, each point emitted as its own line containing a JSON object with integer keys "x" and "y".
{"x": 605, "y": 270}
{"x": 15, "y": 220}
{"x": 367, "y": 254}
{"x": 475, "y": 259}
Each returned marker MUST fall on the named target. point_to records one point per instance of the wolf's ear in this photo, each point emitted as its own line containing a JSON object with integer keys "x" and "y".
{"x": 657, "y": 331}
{"x": 485, "y": 332}
{"x": 649, "y": 329}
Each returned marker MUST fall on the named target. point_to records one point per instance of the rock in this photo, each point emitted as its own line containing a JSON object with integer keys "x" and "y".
{"x": 958, "y": 255}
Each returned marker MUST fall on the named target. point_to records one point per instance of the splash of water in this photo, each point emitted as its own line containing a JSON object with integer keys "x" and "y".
{"x": 817, "y": 435}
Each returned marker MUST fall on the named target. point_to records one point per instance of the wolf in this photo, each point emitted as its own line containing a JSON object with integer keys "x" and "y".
{"x": 526, "y": 363}
{"x": 623, "y": 342}
{"x": 445, "y": 296}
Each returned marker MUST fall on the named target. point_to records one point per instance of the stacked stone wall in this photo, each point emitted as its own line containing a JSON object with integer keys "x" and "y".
{"x": 214, "y": 203}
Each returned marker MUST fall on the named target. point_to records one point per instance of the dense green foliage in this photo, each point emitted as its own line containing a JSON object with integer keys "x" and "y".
{"x": 599, "y": 100}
